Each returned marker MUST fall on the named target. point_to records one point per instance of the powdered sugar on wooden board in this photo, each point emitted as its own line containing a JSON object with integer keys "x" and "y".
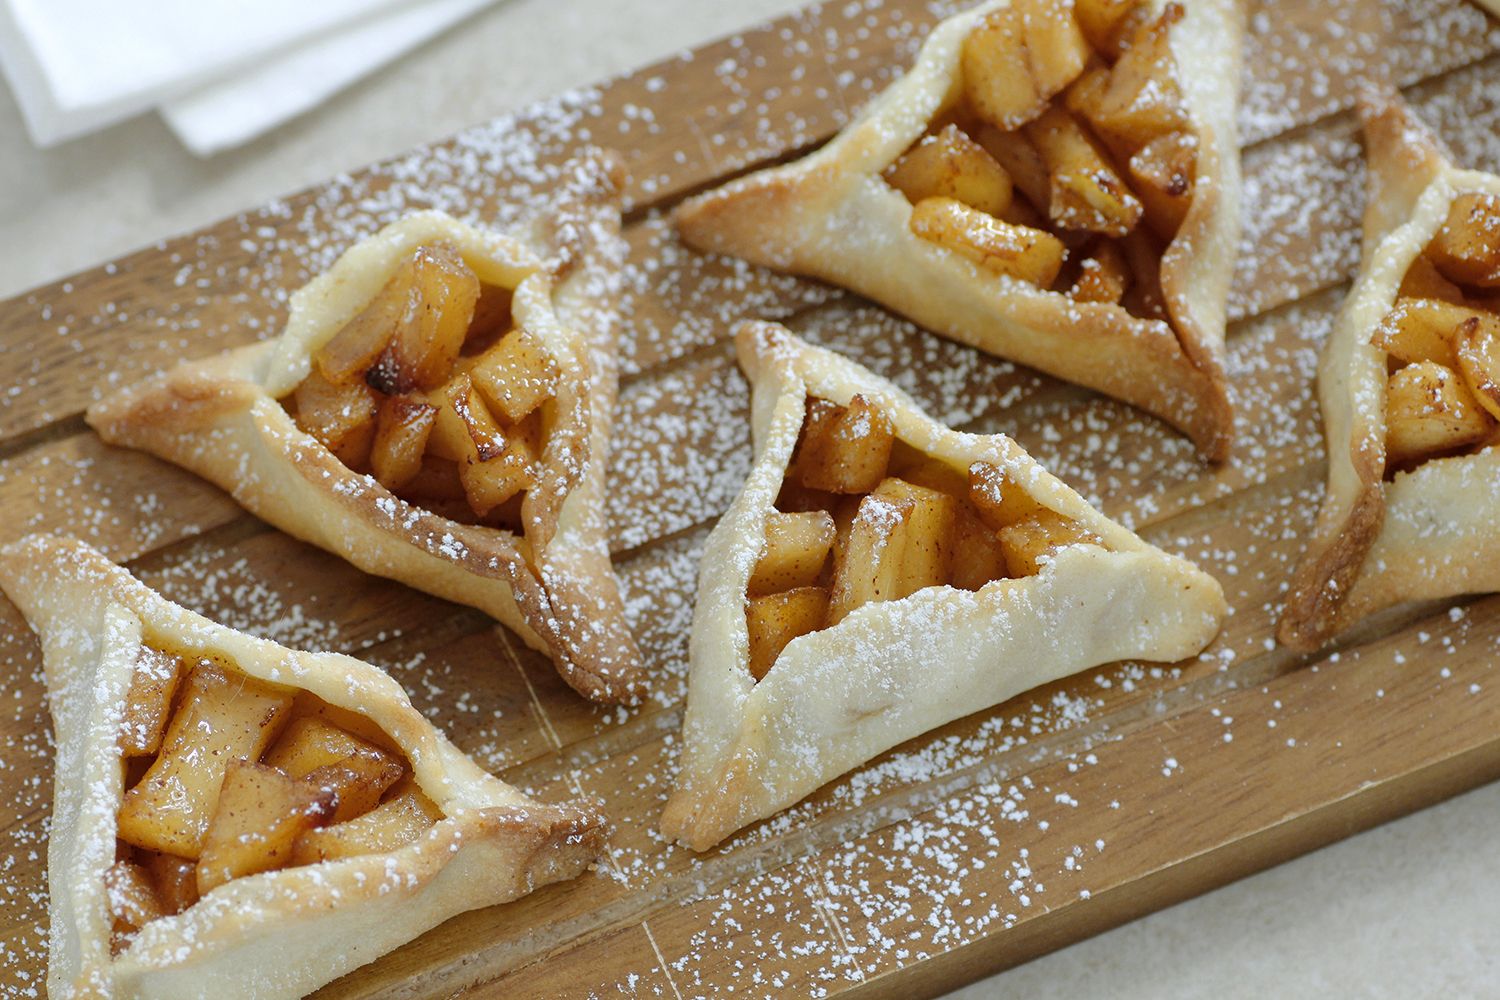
{"x": 1042, "y": 804}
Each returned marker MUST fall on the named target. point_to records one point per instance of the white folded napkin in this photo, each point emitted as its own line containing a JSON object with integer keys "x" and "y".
{"x": 221, "y": 73}
{"x": 235, "y": 110}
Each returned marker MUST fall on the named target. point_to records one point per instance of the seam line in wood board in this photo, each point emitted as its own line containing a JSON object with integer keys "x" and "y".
{"x": 536, "y": 702}
{"x": 823, "y": 905}
{"x": 661, "y": 960}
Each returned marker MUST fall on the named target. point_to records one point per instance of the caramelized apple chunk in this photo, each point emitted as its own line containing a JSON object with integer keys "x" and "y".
{"x": 1143, "y": 99}
{"x": 977, "y": 555}
{"x": 1421, "y": 330}
{"x": 1103, "y": 23}
{"x": 393, "y": 824}
{"x": 1103, "y": 276}
{"x": 1084, "y": 191}
{"x": 1466, "y": 248}
{"x": 515, "y": 376}
{"x": 1018, "y": 57}
{"x": 1161, "y": 174}
{"x": 1430, "y": 412}
{"x": 998, "y": 499}
{"x": 402, "y": 427}
{"x": 1027, "y": 543}
{"x": 148, "y": 703}
{"x": 951, "y": 165}
{"x": 340, "y": 417}
{"x": 776, "y": 619}
{"x": 224, "y": 717}
{"x": 441, "y": 294}
{"x": 797, "y": 547}
{"x": 1478, "y": 354}
{"x": 260, "y": 815}
{"x": 928, "y": 540}
{"x": 175, "y": 879}
{"x": 868, "y": 566}
{"x": 1030, "y": 255}
{"x": 1422, "y": 281}
{"x": 463, "y": 429}
{"x": 844, "y": 449}
{"x": 132, "y": 900}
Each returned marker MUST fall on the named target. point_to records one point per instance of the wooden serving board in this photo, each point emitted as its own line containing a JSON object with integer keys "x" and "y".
{"x": 1008, "y": 833}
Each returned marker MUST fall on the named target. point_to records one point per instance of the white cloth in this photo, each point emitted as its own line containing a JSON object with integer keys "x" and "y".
{"x": 221, "y": 72}
{"x": 235, "y": 110}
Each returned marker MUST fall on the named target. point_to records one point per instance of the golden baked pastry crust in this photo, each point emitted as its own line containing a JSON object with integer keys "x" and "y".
{"x": 556, "y": 587}
{"x": 1427, "y": 533}
{"x": 280, "y": 933}
{"x": 891, "y": 671}
{"x": 833, "y": 217}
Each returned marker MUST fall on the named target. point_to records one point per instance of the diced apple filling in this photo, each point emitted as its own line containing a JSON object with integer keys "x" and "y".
{"x": 1441, "y": 340}
{"x": 243, "y": 777}
{"x": 433, "y": 390}
{"x": 864, "y": 517}
{"x": 1070, "y": 162}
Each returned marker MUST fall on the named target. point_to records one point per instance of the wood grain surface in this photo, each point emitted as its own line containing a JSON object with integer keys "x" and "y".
{"x": 996, "y": 838}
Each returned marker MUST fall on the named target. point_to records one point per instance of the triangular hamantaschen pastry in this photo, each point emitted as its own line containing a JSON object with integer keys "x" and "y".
{"x": 436, "y": 411}
{"x": 881, "y": 575}
{"x": 1410, "y": 391}
{"x": 235, "y": 818}
{"x": 1054, "y": 181}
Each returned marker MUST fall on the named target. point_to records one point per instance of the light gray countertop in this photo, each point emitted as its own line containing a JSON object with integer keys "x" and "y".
{"x": 1408, "y": 909}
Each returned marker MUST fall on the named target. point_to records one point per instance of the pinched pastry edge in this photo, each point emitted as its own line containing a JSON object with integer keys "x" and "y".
{"x": 891, "y": 671}
{"x": 220, "y": 417}
{"x": 831, "y": 216}
{"x": 1428, "y": 533}
{"x": 276, "y": 934}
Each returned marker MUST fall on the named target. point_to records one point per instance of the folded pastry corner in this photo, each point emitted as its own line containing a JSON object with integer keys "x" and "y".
{"x": 1409, "y": 385}
{"x": 235, "y": 818}
{"x": 1054, "y": 181}
{"x": 881, "y": 575}
{"x": 437, "y": 410}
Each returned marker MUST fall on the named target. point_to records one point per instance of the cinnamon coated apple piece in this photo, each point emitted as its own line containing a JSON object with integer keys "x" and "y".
{"x": 1478, "y": 353}
{"x": 1430, "y": 412}
{"x": 1105, "y": 23}
{"x": 977, "y": 555}
{"x": 1422, "y": 281}
{"x": 260, "y": 815}
{"x": 776, "y": 619}
{"x": 1466, "y": 248}
{"x": 1030, "y": 255}
{"x": 148, "y": 703}
{"x": 1422, "y": 330}
{"x": 463, "y": 429}
{"x": 997, "y": 498}
{"x": 797, "y": 547}
{"x": 430, "y": 333}
{"x": 402, "y": 427}
{"x": 1103, "y": 276}
{"x": 224, "y": 716}
{"x": 393, "y": 824}
{"x": 1161, "y": 175}
{"x": 1018, "y": 57}
{"x": 132, "y": 900}
{"x": 1143, "y": 99}
{"x": 340, "y": 417}
{"x": 1042, "y": 534}
{"x": 516, "y": 376}
{"x": 868, "y": 565}
{"x": 175, "y": 879}
{"x": 1084, "y": 190}
{"x": 951, "y": 165}
{"x": 844, "y": 449}
{"x": 927, "y": 542}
